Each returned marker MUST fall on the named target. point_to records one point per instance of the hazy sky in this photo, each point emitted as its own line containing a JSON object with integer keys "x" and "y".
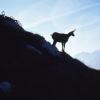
{"x": 47, "y": 16}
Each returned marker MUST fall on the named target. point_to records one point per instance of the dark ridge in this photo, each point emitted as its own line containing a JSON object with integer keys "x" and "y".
{"x": 36, "y": 70}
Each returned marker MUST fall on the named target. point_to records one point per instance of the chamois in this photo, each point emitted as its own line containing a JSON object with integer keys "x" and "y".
{"x": 61, "y": 37}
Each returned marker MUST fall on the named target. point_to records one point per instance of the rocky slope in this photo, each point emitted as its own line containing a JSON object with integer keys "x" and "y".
{"x": 32, "y": 69}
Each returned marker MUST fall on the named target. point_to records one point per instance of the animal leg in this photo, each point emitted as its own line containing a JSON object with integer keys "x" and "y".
{"x": 62, "y": 47}
{"x": 54, "y": 43}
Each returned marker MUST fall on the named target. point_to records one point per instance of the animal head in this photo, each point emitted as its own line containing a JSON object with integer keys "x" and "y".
{"x": 72, "y": 32}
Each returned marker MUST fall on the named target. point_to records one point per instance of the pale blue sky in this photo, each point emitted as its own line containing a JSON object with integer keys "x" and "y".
{"x": 46, "y": 16}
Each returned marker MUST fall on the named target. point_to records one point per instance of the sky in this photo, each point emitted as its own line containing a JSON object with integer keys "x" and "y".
{"x": 47, "y": 16}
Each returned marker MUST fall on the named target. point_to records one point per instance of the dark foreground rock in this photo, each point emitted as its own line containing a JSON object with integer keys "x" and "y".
{"x": 32, "y": 69}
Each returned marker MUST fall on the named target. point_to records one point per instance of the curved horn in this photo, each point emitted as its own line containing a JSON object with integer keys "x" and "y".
{"x": 74, "y": 30}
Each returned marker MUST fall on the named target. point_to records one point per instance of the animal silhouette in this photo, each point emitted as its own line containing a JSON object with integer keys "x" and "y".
{"x": 61, "y": 37}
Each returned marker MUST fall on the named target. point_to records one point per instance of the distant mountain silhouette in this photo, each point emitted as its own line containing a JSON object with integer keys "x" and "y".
{"x": 32, "y": 69}
{"x": 90, "y": 59}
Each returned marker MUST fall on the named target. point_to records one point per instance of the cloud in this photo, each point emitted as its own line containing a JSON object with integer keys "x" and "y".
{"x": 64, "y": 14}
{"x": 97, "y": 19}
{"x": 31, "y": 22}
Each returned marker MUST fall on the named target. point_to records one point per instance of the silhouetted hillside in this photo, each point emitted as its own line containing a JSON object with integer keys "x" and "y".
{"x": 32, "y": 69}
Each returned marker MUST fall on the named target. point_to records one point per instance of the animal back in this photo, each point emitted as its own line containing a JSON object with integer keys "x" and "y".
{"x": 60, "y": 37}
